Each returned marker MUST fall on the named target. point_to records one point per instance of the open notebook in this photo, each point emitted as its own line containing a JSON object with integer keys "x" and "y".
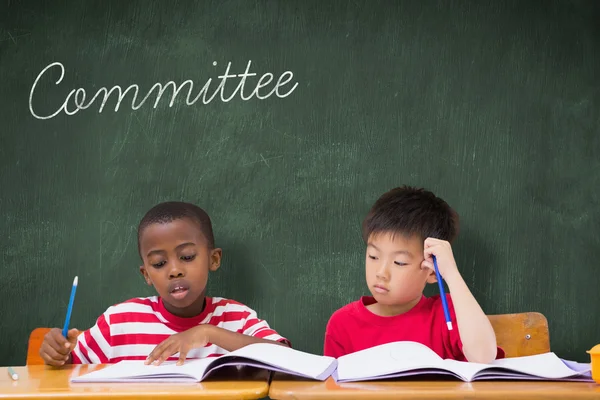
{"x": 392, "y": 360}
{"x": 401, "y": 359}
{"x": 262, "y": 355}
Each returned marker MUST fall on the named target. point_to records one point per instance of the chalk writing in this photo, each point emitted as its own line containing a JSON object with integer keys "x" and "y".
{"x": 76, "y": 99}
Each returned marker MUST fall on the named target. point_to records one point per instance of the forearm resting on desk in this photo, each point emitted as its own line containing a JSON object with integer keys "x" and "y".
{"x": 232, "y": 341}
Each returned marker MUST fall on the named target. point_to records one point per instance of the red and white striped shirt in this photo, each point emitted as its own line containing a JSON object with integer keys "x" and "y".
{"x": 131, "y": 330}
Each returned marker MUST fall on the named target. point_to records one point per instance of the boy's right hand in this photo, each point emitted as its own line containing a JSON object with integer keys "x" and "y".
{"x": 56, "y": 349}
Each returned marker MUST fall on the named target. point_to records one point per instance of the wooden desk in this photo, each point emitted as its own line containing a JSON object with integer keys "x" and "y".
{"x": 284, "y": 387}
{"x": 39, "y": 381}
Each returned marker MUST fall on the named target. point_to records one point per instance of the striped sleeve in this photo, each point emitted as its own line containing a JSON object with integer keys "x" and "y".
{"x": 94, "y": 345}
{"x": 253, "y": 326}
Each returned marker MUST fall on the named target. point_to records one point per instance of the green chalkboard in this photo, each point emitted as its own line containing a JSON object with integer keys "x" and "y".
{"x": 495, "y": 106}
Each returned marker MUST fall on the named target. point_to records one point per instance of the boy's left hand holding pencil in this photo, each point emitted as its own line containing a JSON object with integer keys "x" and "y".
{"x": 56, "y": 349}
{"x": 442, "y": 250}
{"x": 58, "y": 345}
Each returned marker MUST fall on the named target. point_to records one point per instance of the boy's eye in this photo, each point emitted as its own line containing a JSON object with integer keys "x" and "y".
{"x": 372, "y": 257}
{"x": 188, "y": 258}
{"x": 159, "y": 264}
{"x": 400, "y": 263}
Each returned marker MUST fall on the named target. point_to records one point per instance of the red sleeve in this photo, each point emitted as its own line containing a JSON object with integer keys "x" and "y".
{"x": 454, "y": 344}
{"x": 94, "y": 345}
{"x": 254, "y": 326}
{"x": 500, "y": 353}
{"x": 333, "y": 341}
{"x": 332, "y": 348}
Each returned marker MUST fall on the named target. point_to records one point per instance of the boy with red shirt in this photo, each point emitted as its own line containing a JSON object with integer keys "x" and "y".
{"x": 403, "y": 230}
{"x": 176, "y": 245}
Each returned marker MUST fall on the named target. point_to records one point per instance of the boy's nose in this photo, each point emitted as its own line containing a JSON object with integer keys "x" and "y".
{"x": 176, "y": 271}
{"x": 383, "y": 272}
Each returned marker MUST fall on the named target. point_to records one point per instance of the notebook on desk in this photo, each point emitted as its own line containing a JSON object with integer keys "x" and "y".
{"x": 267, "y": 356}
{"x": 391, "y": 360}
{"x": 404, "y": 359}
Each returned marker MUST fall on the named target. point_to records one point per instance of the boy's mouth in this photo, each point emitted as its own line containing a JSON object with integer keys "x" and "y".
{"x": 178, "y": 290}
{"x": 381, "y": 289}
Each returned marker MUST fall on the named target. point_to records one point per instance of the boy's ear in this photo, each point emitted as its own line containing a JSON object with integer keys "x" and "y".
{"x": 431, "y": 278}
{"x": 215, "y": 259}
{"x": 145, "y": 274}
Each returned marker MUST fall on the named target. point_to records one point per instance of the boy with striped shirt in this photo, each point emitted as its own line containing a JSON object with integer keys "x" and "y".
{"x": 176, "y": 244}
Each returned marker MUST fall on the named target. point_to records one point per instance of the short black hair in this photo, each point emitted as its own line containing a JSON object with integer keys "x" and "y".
{"x": 170, "y": 211}
{"x": 411, "y": 211}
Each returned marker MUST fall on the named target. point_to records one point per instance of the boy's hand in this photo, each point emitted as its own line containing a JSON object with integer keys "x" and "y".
{"x": 181, "y": 342}
{"x": 55, "y": 349}
{"x": 442, "y": 250}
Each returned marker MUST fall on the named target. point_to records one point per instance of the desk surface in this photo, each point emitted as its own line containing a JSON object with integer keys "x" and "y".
{"x": 39, "y": 381}
{"x": 284, "y": 387}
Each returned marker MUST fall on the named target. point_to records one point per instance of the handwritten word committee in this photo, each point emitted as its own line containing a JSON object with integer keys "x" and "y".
{"x": 244, "y": 85}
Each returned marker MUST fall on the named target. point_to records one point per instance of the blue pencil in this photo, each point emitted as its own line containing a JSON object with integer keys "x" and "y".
{"x": 70, "y": 308}
{"x": 442, "y": 294}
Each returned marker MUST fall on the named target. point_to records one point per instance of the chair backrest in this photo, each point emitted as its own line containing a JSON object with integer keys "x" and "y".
{"x": 522, "y": 334}
{"x": 36, "y": 338}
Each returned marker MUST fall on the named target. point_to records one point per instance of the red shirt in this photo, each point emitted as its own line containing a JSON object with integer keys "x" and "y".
{"x": 353, "y": 328}
{"x": 132, "y": 329}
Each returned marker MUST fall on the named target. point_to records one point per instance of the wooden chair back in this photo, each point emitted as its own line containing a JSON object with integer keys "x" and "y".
{"x": 36, "y": 338}
{"x": 522, "y": 334}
